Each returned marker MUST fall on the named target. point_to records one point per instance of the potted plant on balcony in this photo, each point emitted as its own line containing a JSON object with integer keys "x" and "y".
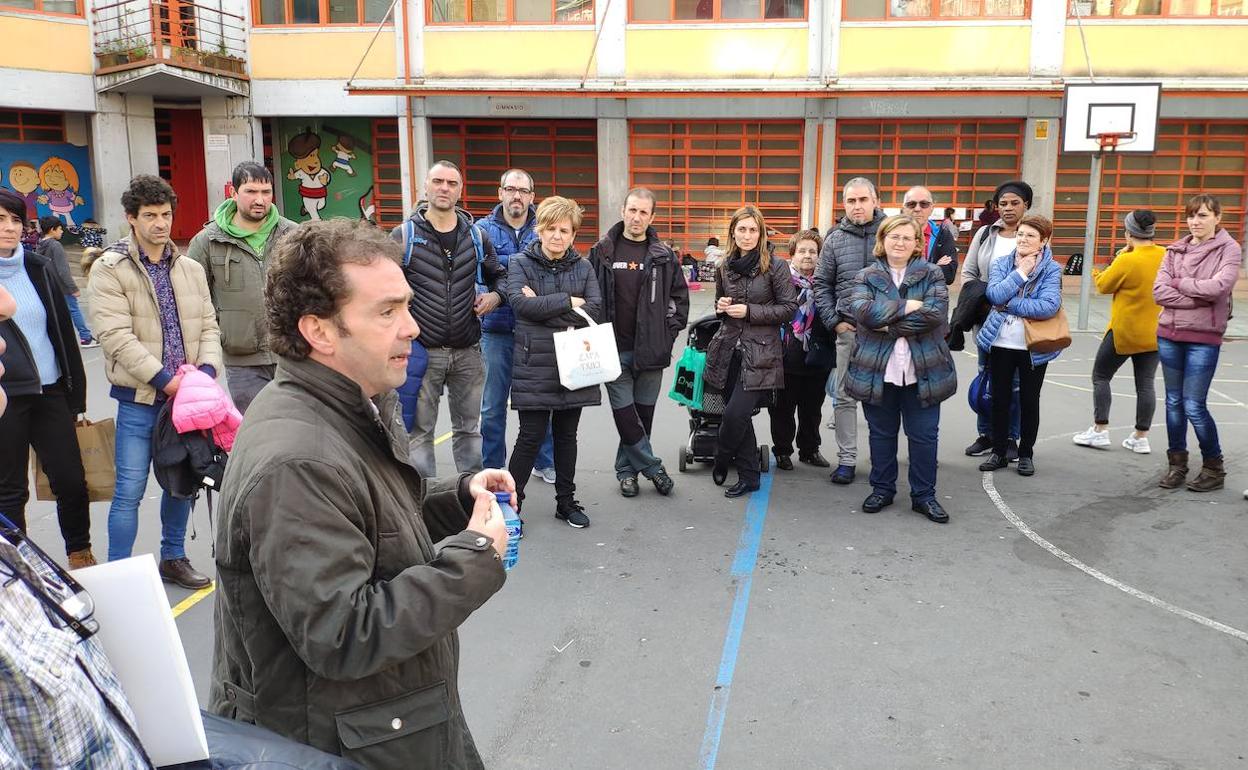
{"x": 222, "y": 60}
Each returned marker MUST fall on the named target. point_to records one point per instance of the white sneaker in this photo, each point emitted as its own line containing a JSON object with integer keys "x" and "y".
{"x": 545, "y": 474}
{"x": 1092, "y": 437}
{"x": 1138, "y": 445}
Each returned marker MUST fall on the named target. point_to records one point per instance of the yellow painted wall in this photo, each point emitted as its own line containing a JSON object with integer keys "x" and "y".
{"x": 1147, "y": 51}
{"x": 934, "y": 51}
{"x": 26, "y": 45}
{"x": 519, "y": 53}
{"x": 748, "y": 52}
{"x": 320, "y": 55}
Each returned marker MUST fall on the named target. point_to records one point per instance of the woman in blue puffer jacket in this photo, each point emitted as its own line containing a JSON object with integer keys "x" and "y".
{"x": 1027, "y": 283}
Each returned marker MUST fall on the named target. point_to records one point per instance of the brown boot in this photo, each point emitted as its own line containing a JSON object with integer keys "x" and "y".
{"x": 1211, "y": 477}
{"x": 1177, "y": 473}
{"x": 180, "y": 572}
{"x": 80, "y": 559}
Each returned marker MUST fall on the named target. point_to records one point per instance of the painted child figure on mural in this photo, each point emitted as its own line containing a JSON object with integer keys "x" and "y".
{"x": 345, "y": 150}
{"x": 60, "y": 188}
{"x": 305, "y": 148}
{"x": 24, "y": 179}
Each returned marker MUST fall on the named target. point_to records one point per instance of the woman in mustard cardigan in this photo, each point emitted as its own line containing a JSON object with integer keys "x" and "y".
{"x": 1132, "y": 333}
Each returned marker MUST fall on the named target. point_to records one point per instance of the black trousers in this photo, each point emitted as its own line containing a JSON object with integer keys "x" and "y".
{"x": 45, "y": 423}
{"x": 1004, "y": 363}
{"x": 798, "y": 411}
{"x": 533, "y": 425}
{"x": 737, "y": 443}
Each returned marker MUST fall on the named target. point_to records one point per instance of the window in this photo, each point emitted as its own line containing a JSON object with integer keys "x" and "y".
{"x": 702, "y": 171}
{"x": 718, "y": 10}
{"x": 1126, "y": 9}
{"x": 278, "y": 12}
{"x": 511, "y": 12}
{"x": 960, "y": 161}
{"x": 31, "y": 126}
{"x": 387, "y": 174}
{"x": 1193, "y": 156}
{"x": 66, "y": 7}
{"x": 561, "y": 156}
{"x": 936, "y": 10}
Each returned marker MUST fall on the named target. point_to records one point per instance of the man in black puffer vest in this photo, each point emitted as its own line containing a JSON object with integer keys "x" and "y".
{"x": 443, "y": 270}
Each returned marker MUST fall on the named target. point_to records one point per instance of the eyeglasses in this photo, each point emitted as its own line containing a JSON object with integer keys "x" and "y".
{"x": 899, "y": 238}
{"x": 64, "y": 599}
{"x": 517, "y": 191}
{"x": 917, "y": 204}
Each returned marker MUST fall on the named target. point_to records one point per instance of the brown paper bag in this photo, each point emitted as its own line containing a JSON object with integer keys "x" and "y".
{"x": 96, "y": 444}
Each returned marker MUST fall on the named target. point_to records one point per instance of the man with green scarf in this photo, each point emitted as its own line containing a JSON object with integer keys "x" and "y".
{"x": 234, "y": 249}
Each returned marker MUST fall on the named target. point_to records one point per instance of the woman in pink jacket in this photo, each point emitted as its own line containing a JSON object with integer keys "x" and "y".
{"x": 1193, "y": 288}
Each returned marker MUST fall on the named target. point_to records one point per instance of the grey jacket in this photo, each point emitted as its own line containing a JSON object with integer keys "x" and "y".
{"x": 236, "y": 277}
{"x": 342, "y": 577}
{"x": 55, "y": 252}
{"x": 846, "y": 250}
{"x": 978, "y": 263}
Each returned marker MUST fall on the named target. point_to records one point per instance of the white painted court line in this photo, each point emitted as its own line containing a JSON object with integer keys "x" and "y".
{"x": 1031, "y": 535}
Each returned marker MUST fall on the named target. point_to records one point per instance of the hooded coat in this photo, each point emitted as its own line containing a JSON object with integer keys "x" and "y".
{"x": 535, "y": 370}
{"x": 1194, "y": 288}
{"x": 1038, "y": 296}
{"x": 846, "y": 250}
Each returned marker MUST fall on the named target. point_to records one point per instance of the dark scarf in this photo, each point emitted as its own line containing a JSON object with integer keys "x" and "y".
{"x": 744, "y": 263}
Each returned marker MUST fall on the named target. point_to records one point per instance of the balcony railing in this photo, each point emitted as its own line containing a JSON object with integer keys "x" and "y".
{"x": 133, "y": 33}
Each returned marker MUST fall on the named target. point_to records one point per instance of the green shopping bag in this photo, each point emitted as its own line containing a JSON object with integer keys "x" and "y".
{"x": 688, "y": 382}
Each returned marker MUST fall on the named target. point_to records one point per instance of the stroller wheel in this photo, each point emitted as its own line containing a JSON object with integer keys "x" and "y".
{"x": 764, "y": 458}
{"x": 682, "y": 459}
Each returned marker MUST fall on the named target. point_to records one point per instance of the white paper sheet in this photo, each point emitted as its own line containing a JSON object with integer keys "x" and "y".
{"x": 141, "y": 639}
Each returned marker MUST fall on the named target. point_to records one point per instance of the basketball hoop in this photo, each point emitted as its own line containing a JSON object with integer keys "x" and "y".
{"x": 1109, "y": 141}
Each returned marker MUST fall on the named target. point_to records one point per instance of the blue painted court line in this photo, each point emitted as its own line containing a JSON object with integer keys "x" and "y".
{"x": 743, "y": 573}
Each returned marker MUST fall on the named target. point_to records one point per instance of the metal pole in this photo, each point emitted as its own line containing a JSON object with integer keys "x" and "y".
{"x": 1089, "y": 241}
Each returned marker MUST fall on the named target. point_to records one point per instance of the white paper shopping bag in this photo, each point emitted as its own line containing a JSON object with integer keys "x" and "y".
{"x": 587, "y": 356}
{"x": 141, "y": 639}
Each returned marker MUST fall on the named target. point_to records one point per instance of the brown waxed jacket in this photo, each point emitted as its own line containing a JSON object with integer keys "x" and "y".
{"x": 342, "y": 579}
{"x": 772, "y": 301}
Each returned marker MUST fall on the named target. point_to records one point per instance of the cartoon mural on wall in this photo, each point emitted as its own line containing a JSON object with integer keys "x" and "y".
{"x": 53, "y": 178}
{"x": 328, "y": 168}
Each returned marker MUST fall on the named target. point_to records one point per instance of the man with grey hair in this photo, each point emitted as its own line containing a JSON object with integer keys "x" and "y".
{"x": 939, "y": 246}
{"x": 444, "y": 257}
{"x": 846, "y": 250}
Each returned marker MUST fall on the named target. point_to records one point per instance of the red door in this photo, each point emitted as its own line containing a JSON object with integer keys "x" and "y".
{"x": 180, "y": 152}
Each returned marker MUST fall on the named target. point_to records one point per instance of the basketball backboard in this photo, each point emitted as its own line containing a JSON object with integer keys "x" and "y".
{"x": 1092, "y": 109}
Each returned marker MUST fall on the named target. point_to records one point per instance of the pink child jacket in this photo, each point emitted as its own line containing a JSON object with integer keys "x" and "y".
{"x": 201, "y": 404}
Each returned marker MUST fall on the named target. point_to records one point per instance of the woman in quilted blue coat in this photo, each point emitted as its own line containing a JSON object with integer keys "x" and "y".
{"x": 901, "y": 367}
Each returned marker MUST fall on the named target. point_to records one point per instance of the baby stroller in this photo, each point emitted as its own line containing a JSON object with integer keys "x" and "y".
{"x": 704, "y": 422}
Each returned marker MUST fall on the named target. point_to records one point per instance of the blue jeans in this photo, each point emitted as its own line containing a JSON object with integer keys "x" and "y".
{"x": 80, "y": 321}
{"x": 497, "y": 348}
{"x": 922, "y": 424}
{"x": 135, "y": 424}
{"x": 1187, "y": 369}
{"x": 983, "y": 423}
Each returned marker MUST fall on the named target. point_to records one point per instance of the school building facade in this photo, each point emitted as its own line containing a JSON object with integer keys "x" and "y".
{"x": 710, "y": 103}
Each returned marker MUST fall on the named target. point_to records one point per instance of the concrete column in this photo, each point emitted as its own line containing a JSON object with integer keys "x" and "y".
{"x": 414, "y": 157}
{"x": 231, "y": 136}
{"x": 810, "y": 181}
{"x": 830, "y": 32}
{"x": 414, "y": 43}
{"x": 613, "y": 179}
{"x": 829, "y": 195}
{"x": 123, "y": 144}
{"x": 1040, "y": 162}
{"x": 612, "y": 19}
{"x": 1048, "y": 39}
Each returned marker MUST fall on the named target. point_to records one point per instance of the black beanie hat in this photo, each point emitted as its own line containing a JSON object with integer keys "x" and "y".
{"x": 1016, "y": 186}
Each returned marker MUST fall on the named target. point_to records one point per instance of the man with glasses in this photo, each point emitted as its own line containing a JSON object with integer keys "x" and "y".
{"x": 510, "y": 227}
{"x": 445, "y": 255}
{"x": 847, "y": 249}
{"x": 939, "y": 247}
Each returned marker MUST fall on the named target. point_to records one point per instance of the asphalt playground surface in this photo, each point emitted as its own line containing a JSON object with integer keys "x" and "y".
{"x": 1080, "y": 618}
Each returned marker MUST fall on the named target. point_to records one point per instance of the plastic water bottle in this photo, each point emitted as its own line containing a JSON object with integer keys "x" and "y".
{"x": 514, "y": 529}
